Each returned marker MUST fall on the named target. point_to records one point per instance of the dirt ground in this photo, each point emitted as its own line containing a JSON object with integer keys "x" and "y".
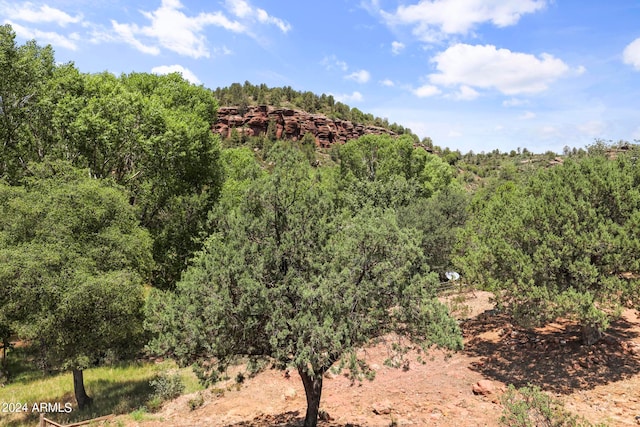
{"x": 600, "y": 382}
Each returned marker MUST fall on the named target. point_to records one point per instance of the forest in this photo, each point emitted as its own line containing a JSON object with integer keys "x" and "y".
{"x": 128, "y": 230}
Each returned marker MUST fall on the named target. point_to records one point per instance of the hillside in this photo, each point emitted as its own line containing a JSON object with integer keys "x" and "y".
{"x": 292, "y": 124}
{"x": 243, "y": 96}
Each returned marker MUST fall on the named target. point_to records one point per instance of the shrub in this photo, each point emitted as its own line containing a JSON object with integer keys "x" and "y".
{"x": 531, "y": 407}
{"x": 196, "y": 402}
{"x": 167, "y": 386}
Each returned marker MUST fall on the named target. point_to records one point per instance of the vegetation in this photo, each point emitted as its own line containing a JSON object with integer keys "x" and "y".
{"x": 243, "y": 95}
{"x": 293, "y": 278}
{"x": 73, "y": 260}
{"x": 531, "y": 407}
{"x": 562, "y": 243}
{"x": 126, "y": 227}
{"x": 119, "y": 388}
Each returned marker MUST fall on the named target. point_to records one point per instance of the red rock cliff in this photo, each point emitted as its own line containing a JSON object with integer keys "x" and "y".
{"x": 291, "y": 124}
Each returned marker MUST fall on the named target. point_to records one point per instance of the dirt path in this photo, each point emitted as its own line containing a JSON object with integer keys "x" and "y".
{"x": 601, "y": 382}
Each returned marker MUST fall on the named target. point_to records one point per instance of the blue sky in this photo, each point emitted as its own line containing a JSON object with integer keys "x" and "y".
{"x": 471, "y": 74}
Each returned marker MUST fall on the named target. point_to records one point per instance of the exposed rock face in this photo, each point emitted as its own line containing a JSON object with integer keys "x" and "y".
{"x": 290, "y": 124}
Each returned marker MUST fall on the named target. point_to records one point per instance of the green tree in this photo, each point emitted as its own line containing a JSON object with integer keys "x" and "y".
{"x": 152, "y": 134}
{"x": 24, "y": 72}
{"x": 563, "y": 243}
{"x": 308, "y": 147}
{"x": 391, "y": 171}
{"x": 73, "y": 259}
{"x": 439, "y": 219}
{"x": 289, "y": 278}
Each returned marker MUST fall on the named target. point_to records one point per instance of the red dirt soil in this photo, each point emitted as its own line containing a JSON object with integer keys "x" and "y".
{"x": 599, "y": 382}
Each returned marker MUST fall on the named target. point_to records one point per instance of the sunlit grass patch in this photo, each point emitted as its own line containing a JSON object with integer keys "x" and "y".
{"x": 117, "y": 389}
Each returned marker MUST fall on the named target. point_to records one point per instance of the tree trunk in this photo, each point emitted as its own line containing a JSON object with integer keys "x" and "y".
{"x": 313, "y": 390}
{"x": 82, "y": 397}
{"x": 5, "y": 344}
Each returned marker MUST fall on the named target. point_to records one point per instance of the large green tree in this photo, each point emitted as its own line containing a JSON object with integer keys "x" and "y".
{"x": 563, "y": 243}
{"x": 390, "y": 171}
{"x": 24, "y": 73}
{"x": 152, "y": 134}
{"x": 73, "y": 259}
{"x": 291, "y": 278}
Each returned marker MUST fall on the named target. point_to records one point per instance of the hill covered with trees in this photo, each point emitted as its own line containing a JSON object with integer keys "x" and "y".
{"x": 244, "y": 95}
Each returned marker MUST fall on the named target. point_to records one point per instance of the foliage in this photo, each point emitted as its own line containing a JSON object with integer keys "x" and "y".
{"x": 531, "y": 407}
{"x": 439, "y": 219}
{"x": 291, "y": 278}
{"x": 167, "y": 386}
{"x": 196, "y": 402}
{"x": 24, "y": 71}
{"x": 390, "y": 171}
{"x": 122, "y": 388}
{"x": 150, "y": 133}
{"x": 560, "y": 243}
{"x": 72, "y": 262}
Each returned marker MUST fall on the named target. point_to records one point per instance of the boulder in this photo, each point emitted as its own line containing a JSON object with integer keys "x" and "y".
{"x": 483, "y": 387}
{"x": 383, "y": 407}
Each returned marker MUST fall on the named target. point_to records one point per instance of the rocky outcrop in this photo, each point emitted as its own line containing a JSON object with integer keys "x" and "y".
{"x": 290, "y": 124}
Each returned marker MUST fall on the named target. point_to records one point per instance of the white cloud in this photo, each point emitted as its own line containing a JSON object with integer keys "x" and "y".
{"x": 172, "y": 29}
{"x": 239, "y": 8}
{"x": 426, "y": 91}
{"x": 361, "y": 76}
{"x": 466, "y": 93}
{"x": 332, "y": 62}
{"x": 168, "y": 69}
{"x": 126, "y": 33}
{"x": 433, "y": 20}
{"x": 244, "y": 10}
{"x": 397, "y": 47}
{"x": 454, "y": 134}
{"x": 28, "y": 12}
{"x": 46, "y": 37}
{"x": 527, "y": 115}
{"x": 222, "y": 51}
{"x": 485, "y": 66}
{"x": 346, "y": 98}
{"x": 387, "y": 82}
{"x": 264, "y": 17}
{"x": 631, "y": 54}
{"x": 548, "y": 131}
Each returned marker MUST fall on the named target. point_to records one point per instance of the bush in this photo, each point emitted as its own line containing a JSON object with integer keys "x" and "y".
{"x": 531, "y": 407}
{"x": 196, "y": 402}
{"x": 167, "y": 386}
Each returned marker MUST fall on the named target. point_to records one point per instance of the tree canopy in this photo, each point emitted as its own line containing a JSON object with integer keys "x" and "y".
{"x": 24, "y": 71}
{"x": 73, "y": 259}
{"x": 289, "y": 277}
{"x": 150, "y": 133}
{"x": 563, "y": 243}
